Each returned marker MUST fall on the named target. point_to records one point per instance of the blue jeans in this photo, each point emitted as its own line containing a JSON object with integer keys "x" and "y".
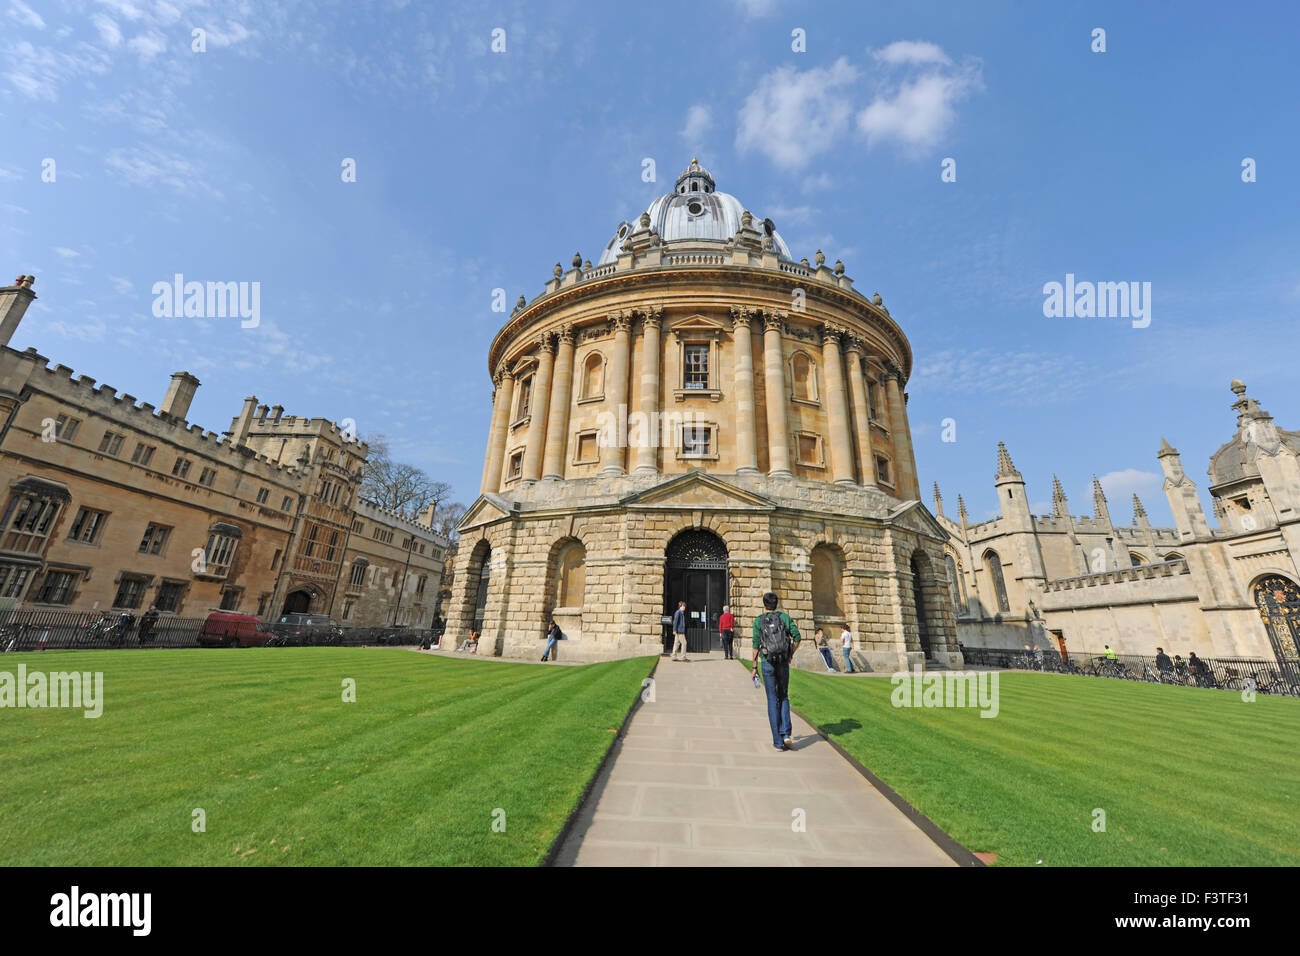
{"x": 848, "y": 661}
{"x": 550, "y": 645}
{"x": 776, "y": 681}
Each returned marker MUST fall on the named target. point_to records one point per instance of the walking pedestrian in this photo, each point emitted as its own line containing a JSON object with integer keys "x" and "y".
{"x": 776, "y": 638}
{"x": 147, "y": 621}
{"x": 679, "y": 632}
{"x": 553, "y": 634}
{"x": 846, "y": 640}
{"x": 727, "y": 628}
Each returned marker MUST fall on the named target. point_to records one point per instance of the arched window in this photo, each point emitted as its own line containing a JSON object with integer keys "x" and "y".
{"x": 1172, "y": 556}
{"x": 827, "y": 584}
{"x": 1136, "y": 559}
{"x": 993, "y": 565}
{"x": 571, "y": 575}
{"x": 593, "y": 376}
{"x": 954, "y": 583}
{"x": 804, "y": 375}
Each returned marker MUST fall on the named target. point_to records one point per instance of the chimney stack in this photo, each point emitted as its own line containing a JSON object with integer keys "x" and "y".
{"x": 14, "y": 300}
{"x": 179, "y": 395}
{"x": 245, "y": 421}
{"x": 276, "y": 412}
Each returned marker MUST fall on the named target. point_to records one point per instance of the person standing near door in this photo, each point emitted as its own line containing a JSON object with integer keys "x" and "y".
{"x": 727, "y": 628}
{"x": 846, "y": 638}
{"x": 679, "y": 632}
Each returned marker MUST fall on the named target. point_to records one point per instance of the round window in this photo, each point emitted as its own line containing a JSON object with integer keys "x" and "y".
{"x": 695, "y": 208}
{"x": 622, "y": 232}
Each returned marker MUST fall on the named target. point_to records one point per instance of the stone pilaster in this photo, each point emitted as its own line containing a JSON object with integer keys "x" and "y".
{"x": 541, "y": 406}
{"x": 837, "y": 406}
{"x": 647, "y": 456}
{"x": 611, "y": 455}
{"x": 778, "y": 428}
{"x": 861, "y": 413}
{"x": 557, "y": 425}
{"x": 746, "y": 435}
{"x": 494, "y": 460}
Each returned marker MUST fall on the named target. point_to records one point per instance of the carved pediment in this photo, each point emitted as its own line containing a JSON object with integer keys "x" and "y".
{"x": 487, "y": 509}
{"x": 698, "y": 490}
{"x": 914, "y": 516}
{"x": 698, "y": 326}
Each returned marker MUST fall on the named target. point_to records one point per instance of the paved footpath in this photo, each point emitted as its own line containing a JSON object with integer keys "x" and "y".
{"x": 696, "y": 782}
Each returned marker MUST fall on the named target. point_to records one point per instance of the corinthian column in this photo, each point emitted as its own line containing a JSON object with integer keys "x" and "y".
{"x": 541, "y": 405}
{"x": 557, "y": 424}
{"x": 647, "y": 455}
{"x": 496, "y": 449}
{"x": 904, "y": 464}
{"x": 778, "y": 431}
{"x": 611, "y": 456}
{"x": 861, "y": 413}
{"x": 837, "y": 406}
{"x": 742, "y": 337}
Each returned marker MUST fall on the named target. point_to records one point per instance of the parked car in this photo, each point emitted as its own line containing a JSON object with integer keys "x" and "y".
{"x": 229, "y": 629}
{"x": 297, "y": 629}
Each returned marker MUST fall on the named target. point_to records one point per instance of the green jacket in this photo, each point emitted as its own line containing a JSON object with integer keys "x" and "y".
{"x": 790, "y": 626}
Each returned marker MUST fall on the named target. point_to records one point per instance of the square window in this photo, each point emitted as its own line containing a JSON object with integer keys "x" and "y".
{"x": 516, "y": 464}
{"x": 129, "y": 593}
{"x": 587, "y": 451}
{"x": 110, "y": 444}
{"x": 882, "y": 469}
{"x": 169, "y": 596}
{"x": 143, "y": 454}
{"x": 65, "y": 428}
{"x": 810, "y": 452}
{"x": 287, "y": 504}
{"x": 262, "y": 495}
{"x": 86, "y": 526}
{"x": 155, "y": 539}
{"x": 208, "y": 477}
{"x": 181, "y": 468}
{"x": 57, "y": 587}
{"x": 696, "y": 441}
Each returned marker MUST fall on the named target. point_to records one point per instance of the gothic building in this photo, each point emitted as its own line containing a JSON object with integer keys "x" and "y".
{"x": 698, "y": 416}
{"x": 1062, "y": 580}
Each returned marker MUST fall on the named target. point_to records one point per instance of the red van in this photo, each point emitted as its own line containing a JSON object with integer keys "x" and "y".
{"x": 228, "y": 629}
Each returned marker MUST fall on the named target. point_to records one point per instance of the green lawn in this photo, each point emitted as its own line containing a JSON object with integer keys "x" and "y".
{"x": 287, "y": 773}
{"x": 1185, "y": 776}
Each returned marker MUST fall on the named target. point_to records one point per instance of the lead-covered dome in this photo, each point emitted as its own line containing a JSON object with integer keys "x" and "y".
{"x": 695, "y": 212}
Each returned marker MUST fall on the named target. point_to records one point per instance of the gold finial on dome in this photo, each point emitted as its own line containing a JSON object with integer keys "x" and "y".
{"x": 695, "y": 161}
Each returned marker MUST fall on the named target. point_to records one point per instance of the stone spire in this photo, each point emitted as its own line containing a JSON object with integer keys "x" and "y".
{"x": 961, "y": 511}
{"x": 1060, "y": 507}
{"x": 938, "y": 500}
{"x": 1099, "y": 509}
{"x": 1006, "y": 468}
{"x": 1139, "y": 513}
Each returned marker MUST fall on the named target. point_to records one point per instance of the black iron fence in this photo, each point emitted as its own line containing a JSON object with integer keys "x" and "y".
{"x": 1228, "y": 673}
{"x": 39, "y": 630}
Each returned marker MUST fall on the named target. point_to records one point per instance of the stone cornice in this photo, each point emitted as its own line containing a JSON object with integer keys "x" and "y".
{"x": 677, "y": 281}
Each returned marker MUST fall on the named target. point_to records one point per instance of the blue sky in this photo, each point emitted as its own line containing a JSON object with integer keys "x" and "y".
{"x": 478, "y": 170}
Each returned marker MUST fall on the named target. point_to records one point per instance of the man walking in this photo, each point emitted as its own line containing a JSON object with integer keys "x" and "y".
{"x": 846, "y": 639}
{"x": 679, "y": 632}
{"x": 776, "y": 638}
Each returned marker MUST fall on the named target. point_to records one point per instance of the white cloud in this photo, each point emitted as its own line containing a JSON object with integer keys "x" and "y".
{"x": 108, "y": 30}
{"x": 1121, "y": 486}
{"x": 121, "y": 286}
{"x": 792, "y": 117}
{"x": 911, "y": 51}
{"x": 699, "y": 120}
{"x": 148, "y": 45}
{"x": 149, "y": 167}
{"x": 753, "y": 9}
{"x": 67, "y": 253}
{"x": 26, "y": 15}
{"x": 918, "y": 108}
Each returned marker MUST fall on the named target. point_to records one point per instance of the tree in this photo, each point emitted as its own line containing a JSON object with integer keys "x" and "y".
{"x": 445, "y": 518}
{"x": 397, "y": 486}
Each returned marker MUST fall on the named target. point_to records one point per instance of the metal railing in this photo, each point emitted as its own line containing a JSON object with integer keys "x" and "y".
{"x": 1280, "y": 676}
{"x": 40, "y": 630}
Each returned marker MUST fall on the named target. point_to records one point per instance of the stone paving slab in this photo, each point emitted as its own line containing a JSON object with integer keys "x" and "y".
{"x": 695, "y": 782}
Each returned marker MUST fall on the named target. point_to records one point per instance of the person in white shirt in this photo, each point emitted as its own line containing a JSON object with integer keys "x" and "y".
{"x": 846, "y": 638}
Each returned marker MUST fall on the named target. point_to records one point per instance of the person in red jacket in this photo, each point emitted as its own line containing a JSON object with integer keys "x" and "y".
{"x": 727, "y": 627}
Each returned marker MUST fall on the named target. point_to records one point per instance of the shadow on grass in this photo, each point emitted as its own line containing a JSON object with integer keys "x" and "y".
{"x": 841, "y": 727}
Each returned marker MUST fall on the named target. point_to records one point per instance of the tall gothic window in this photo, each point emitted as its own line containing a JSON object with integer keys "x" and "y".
{"x": 993, "y": 564}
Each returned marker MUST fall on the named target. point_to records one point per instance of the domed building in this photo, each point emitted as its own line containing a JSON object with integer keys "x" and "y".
{"x": 700, "y": 417}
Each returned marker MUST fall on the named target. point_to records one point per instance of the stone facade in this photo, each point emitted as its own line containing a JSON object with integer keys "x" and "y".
{"x": 112, "y": 503}
{"x": 1085, "y": 581}
{"x": 695, "y": 382}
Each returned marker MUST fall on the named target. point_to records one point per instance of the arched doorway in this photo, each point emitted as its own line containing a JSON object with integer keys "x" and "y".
{"x": 918, "y": 595}
{"x": 695, "y": 571}
{"x": 1278, "y": 600}
{"x": 297, "y": 602}
{"x": 481, "y": 579}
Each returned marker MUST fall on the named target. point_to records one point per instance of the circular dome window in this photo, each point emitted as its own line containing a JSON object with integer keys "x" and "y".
{"x": 695, "y": 208}
{"x": 622, "y": 232}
